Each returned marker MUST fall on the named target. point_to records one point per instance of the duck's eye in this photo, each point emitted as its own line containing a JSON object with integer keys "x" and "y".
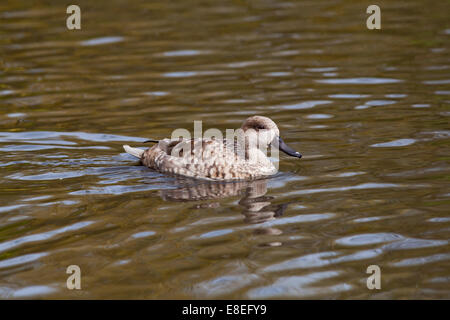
{"x": 260, "y": 127}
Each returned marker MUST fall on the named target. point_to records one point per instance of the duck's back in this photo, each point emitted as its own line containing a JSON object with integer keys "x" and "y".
{"x": 205, "y": 158}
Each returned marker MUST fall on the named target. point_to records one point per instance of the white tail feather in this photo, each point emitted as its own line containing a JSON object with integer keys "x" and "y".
{"x": 133, "y": 151}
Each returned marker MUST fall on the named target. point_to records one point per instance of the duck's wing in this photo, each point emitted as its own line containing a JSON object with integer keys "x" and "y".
{"x": 197, "y": 158}
{"x": 195, "y": 149}
{"x": 209, "y": 159}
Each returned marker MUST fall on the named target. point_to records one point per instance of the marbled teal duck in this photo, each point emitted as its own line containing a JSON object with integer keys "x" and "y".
{"x": 218, "y": 159}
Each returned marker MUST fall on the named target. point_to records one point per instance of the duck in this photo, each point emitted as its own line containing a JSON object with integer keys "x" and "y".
{"x": 244, "y": 158}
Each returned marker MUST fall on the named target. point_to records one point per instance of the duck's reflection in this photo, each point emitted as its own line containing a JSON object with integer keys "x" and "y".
{"x": 257, "y": 207}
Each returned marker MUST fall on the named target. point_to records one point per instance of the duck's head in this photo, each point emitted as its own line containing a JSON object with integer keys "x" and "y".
{"x": 266, "y": 132}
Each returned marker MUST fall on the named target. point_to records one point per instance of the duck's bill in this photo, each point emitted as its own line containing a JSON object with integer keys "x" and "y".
{"x": 288, "y": 150}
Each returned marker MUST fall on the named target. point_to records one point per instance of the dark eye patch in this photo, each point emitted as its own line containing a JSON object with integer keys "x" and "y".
{"x": 260, "y": 127}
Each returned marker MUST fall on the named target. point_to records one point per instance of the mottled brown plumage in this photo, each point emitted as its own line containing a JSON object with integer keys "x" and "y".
{"x": 223, "y": 159}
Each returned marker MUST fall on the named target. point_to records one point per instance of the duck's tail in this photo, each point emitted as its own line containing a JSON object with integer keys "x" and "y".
{"x": 133, "y": 151}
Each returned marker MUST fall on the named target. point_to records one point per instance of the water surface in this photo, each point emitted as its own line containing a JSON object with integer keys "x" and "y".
{"x": 369, "y": 110}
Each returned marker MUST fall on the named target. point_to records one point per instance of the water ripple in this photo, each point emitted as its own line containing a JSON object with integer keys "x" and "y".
{"x": 395, "y": 143}
{"x": 298, "y": 286}
{"x": 367, "y": 80}
{"x": 22, "y": 259}
{"x": 101, "y": 41}
{"x": 304, "y": 105}
{"x": 8, "y": 245}
{"x": 365, "y": 239}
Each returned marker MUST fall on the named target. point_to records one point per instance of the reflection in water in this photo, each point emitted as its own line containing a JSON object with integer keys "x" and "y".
{"x": 256, "y": 206}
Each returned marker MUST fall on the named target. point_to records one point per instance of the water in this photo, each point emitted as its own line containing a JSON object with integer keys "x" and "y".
{"x": 369, "y": 110}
